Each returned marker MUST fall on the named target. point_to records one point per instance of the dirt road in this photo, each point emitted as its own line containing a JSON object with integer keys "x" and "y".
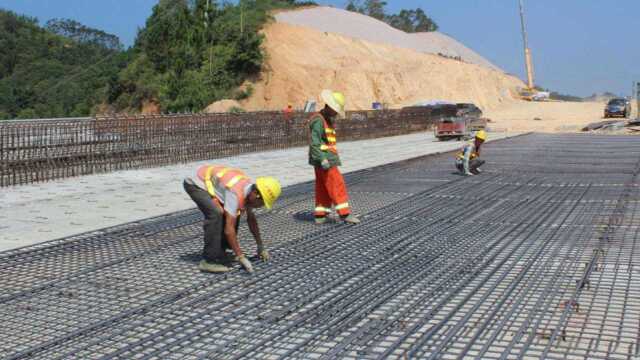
{"x": 549, "y": 117}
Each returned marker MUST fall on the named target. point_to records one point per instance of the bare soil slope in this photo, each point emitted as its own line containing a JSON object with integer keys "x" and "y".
{"x": 302, "y": 61}
{"x": 358, "y": 26}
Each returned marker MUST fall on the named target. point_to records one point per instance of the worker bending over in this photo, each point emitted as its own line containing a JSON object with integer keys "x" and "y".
{"x": 468, "y": 159}
{"x": 229, "y": 193}
{"x": 323, "y": 156}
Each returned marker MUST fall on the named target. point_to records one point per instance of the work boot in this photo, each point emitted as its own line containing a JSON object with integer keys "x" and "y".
{"x": 321, "y": 220}
{"x": 212, "y": 267}
{"x": 350, "y": 219}
{"x": 228, "y": 259}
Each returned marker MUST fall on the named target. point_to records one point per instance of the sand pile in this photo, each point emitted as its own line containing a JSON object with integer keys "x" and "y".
{"x": 225, "y": 105}
{"x": 358, "y": 26}
{"x": 545, "y": 116}
{"x": 302, "y": 61}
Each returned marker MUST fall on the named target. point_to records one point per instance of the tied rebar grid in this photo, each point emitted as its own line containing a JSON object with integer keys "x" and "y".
{"x": 535, "y": 258}
{"x": 41, "y": 150}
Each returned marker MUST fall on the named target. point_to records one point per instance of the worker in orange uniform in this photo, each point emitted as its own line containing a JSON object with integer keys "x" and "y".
{"x": 288, "y": 117}
{"x": 323, "y": 156}
{"x": 288, "y": 111}
{"x": 229, "y": 194}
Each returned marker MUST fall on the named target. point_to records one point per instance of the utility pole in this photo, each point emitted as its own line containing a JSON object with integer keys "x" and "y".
{"x": 636, "y": 93}
{"x": 527, "y": 51}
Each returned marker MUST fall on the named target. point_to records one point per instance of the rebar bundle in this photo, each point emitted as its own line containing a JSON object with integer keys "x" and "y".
{"x": 40, "y": 150}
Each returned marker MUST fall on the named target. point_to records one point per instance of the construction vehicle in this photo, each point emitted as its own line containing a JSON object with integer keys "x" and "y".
{"x": 460, "y": 128}
{"x": 467, "y": 120}
{"x": 530, "y": 93}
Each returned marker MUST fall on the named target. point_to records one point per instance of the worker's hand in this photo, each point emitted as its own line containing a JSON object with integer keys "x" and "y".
{"x": 263, "y": 254}
{"x": 246, "y": 264}
{"x": 325, "y": 164}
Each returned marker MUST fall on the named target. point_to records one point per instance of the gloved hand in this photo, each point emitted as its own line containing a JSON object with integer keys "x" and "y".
{"x": 246, "y": 264}
{"x": 325, "y": 164}
{"x": 263, "y": 254}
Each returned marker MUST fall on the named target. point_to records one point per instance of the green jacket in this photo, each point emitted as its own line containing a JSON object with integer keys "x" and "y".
{"x": 319, "y": 138}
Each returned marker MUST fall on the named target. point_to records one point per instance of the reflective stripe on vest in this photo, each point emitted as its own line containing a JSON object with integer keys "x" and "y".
{"x": 330, "y": 134}
{"x": 331, "y": 148}
{"x": 232, "y": 179}
{"x": 473, "y": 155}
{"x": 460, "y": 155}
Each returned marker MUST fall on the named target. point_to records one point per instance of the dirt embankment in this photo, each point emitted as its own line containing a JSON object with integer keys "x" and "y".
{"x": 545, "y": 116}
{"x": 316, "y": 48}
{"x": 302, "y": 61}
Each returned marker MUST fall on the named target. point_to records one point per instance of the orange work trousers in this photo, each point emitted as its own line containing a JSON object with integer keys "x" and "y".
{"x": 330, "y": 190}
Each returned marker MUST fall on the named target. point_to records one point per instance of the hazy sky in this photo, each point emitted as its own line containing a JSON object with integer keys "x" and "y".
{"x": 579, "y": 46}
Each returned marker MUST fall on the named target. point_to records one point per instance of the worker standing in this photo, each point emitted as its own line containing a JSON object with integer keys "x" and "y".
{"x": 288, "y": 118}
{"x": 229, "y": 193}
{"x": 288, "y": 111}
{"x": 468, "y": 159}
{"x": 323, "y": 156}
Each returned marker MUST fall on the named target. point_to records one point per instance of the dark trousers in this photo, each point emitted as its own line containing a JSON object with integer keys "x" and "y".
{"x": 215, "y": 241}
{"x": 474, "y": 164}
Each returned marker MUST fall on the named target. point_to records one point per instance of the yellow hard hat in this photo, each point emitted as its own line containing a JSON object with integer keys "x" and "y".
{"x": 482, "y": 135}
{"x": 269, "y": 188}
{"x": 334, "y": 100}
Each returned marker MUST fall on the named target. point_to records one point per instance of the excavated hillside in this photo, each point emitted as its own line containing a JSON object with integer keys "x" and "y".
{"x": 302, "y": 60}
{"x": 359, "y": 26}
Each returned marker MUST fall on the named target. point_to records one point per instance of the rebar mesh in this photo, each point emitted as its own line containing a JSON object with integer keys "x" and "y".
{"x": 535, "y": 258}
{"x": 40, "y": 150}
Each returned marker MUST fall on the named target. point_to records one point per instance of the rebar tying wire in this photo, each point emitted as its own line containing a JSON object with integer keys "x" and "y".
{"x": 486, "y": 267}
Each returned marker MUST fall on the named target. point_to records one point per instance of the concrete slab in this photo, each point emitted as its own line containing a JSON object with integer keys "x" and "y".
{"x": 35, "y": 213}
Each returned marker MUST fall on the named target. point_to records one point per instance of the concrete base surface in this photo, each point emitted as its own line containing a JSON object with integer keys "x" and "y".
{"x": 35, "y": 213}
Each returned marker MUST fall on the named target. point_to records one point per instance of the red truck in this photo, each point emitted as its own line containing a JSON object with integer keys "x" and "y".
{"x": 462, "y": 125}
{"x": 458, "y": 127}
{"x": 452, "y": 128}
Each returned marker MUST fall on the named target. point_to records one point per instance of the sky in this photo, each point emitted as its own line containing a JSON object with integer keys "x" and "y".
{"x": 579, "y": 47}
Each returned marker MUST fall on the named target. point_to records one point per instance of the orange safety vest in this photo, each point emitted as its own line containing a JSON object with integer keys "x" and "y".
{"x": 330, "y": 134}
{"x": 232, "y": 179}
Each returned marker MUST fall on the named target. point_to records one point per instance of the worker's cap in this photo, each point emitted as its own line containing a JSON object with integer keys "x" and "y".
{"x": 334, "y": 100}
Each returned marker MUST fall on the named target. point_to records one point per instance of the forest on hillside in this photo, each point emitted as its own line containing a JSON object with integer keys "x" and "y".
{"x": 65, "y": 69}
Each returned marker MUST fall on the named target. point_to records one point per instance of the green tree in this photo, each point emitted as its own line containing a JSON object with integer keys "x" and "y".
{"x": 375, "y": 9}
{"x": 60, "y": 70}
{"x": 82, "y": 34}
{"x": 423, "y": 23}
{"x": 218, "y": 47}
{"x": 406, "y": 20}
{"x": 189, "y": 54}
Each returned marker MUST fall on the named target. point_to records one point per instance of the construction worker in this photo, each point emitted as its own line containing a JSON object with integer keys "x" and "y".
{"x": 229, "y": 193}
{"x": 468, "y": 159}
{"x": 323, "y": 156}
{"x": 288, "y": 117}
{"x": 288, "y": 111}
